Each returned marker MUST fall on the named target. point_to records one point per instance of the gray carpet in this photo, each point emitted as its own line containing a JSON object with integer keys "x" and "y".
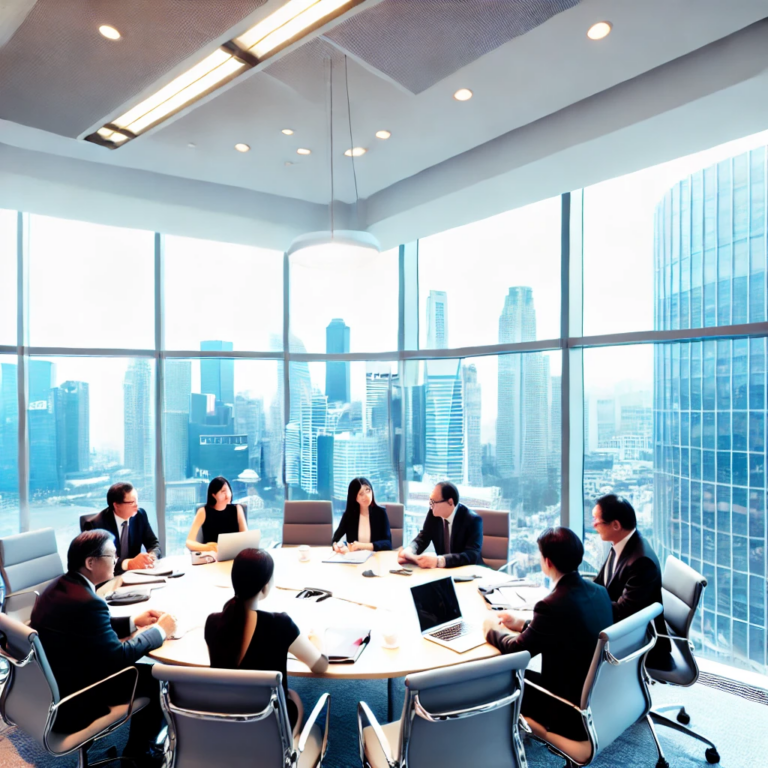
{"x": 736, "y": 725}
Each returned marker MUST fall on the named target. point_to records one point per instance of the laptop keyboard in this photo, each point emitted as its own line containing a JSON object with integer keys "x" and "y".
{"x": 451, "y": 633}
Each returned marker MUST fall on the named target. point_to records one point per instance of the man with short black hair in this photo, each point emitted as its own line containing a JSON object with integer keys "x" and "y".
{"x": 564, "y": 630}
{"x": 130, "y": 529}
{"x": 82, "y": 641}
{"x": 455, "y": 530}
{"x": 631, "y": 573}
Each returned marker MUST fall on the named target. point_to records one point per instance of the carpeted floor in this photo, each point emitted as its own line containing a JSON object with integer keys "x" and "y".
{"x": 737, "y": 726}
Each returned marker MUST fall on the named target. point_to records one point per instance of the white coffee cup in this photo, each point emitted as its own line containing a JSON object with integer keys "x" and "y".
{"x": 304, "y": 553}
{"x": 391, "y": 638}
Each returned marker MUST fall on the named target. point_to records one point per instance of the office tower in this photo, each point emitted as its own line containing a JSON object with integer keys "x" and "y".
{"x": 444, "y": 421}
{"x": 472, "y": 415}
{"x": 217, "y": 375}
{"x": 377, "y": 400}
{"x": 535, "y": 404}
{"x": 9, "y": 429}
{"x": 325, "y": 449}
{"x": 215, "y": 448}
{"x": 43, "y": 466}
{"x": 437, "y": 320}
{"x": 137, "y": 408}
{"x": 249, "y": 420}
{"x": 314, "y": 414}
{"x": 178, "y": 387}
{"x": 606, "y": 422}
{"x": 361, "y": 455}
{"x": 337, "y": 373}
{"x": 709, "y": 401}
{"x": 273, "y": 457}
{"x": 417, "y": 435}
{"x": 555, "y": 420}
{"x": 72, "y": 409}
{"x": 293, "y": 453}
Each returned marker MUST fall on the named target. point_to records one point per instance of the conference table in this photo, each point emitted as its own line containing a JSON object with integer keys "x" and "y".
{"x": 382, "y": 603}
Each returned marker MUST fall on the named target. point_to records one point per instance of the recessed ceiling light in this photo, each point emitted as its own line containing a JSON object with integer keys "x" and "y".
{"x": 288, "y": 163}
{"x": 109, "y": 32}
{"x": 355, "y": 152}
{"x": 242, "y": 148}
{"x": 287, "y": 131}
{"x": 463, "y": 94}
{"x": 303, "y": 151}
{"x": 191, "y": 145}
{"x": 383, "y": 134}
{"x": 600, "y": 30}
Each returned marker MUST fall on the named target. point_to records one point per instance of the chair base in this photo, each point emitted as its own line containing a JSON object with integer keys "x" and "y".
{"x": 655, "y": 717}
{"x": 111, "y": 757}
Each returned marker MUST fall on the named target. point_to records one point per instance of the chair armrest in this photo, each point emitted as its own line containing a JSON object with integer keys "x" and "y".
{"x": 276, "y": 545}
{"x": 616, "y": 661}
{"x": 323, "y": 701}
{"x": 554, "y": 696}
{"x": 459, "y": 714}
{"x": 510, "y": 564}
{"x": 101, "y": 682}
{"x": 363, "y": 710}
{"x": 677, "y": 639}
{"x": 20, "y": 601}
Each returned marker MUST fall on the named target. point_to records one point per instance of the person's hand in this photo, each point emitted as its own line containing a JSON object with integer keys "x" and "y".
{"x": 142, "y": 560}
{"x": 510, "y": 621}
{"x": 426, "y": 561}
{"x": 168, "y": 624}
{"x": 401, "y": 559}
{"x": 491, "y": 622}
{"x": 211, "y": 546}
{"x": 341, "y": 548}
{"x": 356, "y": 546}
{"x": 147, "y": 619}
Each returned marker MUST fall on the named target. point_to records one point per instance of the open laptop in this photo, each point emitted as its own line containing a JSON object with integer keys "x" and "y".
{"x": 440, "y": 616}
{"x": 232, "y": 544}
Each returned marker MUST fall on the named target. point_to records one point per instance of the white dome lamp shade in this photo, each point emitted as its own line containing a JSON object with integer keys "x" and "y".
{"x": 336, "y": 246}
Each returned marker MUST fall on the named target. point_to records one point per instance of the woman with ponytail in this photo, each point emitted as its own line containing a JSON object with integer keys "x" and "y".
{"x": 243, "y": 637}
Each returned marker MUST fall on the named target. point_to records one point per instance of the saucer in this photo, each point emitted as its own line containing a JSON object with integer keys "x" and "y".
{"x": 390, "y": 647}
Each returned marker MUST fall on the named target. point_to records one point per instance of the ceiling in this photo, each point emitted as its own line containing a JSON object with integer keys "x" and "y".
{"x": 396, "y": 63}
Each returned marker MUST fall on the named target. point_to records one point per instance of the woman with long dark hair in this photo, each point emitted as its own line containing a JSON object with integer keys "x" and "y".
{"x": 218, "y": 516}
{"x": 364, "y": 524}
{"x": 243, "y": 637}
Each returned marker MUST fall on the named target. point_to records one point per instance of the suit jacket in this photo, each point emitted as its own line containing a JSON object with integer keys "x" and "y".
{"x": 636, "y": 583}
{"x": 82, "y": 641}
{"x": 139, "y": 532}
{"x": 381, "y": 536}
{"x": 466, "y": 537}
{"x": 564, "y": 630}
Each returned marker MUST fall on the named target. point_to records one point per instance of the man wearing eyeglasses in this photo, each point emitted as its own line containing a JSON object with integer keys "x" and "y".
{"x": 129, "y": 525}
{"x": 455, "y": 530}
{"x": 82, "y": 644}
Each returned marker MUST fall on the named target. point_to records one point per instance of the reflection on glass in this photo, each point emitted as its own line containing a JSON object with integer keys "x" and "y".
{"x": 473, "y": 277}
{"x": 222, "y": 291}
{"x": 8, "y": 277}
{"x": 223, "y": 417}
{"x": 91, "y": 424}
{"x": 90, "y": 285}
{"x": 9, "y": 447}
{"x": 492, "y": 426}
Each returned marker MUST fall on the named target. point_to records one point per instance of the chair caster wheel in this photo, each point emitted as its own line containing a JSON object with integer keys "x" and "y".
{"x": 712, "y": 755}
{"x": 683, "y": 717}
{"x": 662, "y": 763}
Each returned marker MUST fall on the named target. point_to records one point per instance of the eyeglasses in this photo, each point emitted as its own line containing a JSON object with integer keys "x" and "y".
{"x": 127, "y": 503}
{"x": 114, "y": 557}
{"x": 595, "y": 523}
{"x": 433, "y": 504}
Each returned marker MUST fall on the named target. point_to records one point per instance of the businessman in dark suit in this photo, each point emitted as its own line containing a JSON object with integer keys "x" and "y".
{"x": 455, "y": 530}
{"x": 564, "y": 630}
{"x": 82, "y": 642}
{"x": 631, "y": 573}
{"x": 129, "y": 527}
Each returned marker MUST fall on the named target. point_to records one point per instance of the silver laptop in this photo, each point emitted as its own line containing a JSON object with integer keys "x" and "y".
{"x": 440, "y": 616}
{"x": 232, "y": 544}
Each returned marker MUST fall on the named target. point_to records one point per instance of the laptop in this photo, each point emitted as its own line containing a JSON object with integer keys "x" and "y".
{"x": 440, "y": 616}
{"x": 232, "y": 544}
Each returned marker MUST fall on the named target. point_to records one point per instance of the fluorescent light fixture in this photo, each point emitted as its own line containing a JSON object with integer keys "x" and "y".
{"x": 383, "y": 134}
{"x": 463, "y": 94}
{"x": 303, "y": 151}
{"x": 287, "y": 131}
{"x": 242, "y": 148}
{"x": 355, "y": 152}
{"x": 600, "y": 30}
{"x": 109, "y": 32}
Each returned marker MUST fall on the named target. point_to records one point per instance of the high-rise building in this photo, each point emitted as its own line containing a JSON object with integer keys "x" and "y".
{"x": 72, "y": 409}
{"x": 472, "y": 419}
{"x": 137, "y": 409}
{"x": 337, "y": 375}
{"x": 437, "y": 320}
{"x": 217, "y": 375}
{"x": 9, "y": 429}
{"x": 606, "y": 422}
{"x": 44, "y": 475}
{"x": 313, "y": 423}
{"x": 178, "y": 387}
{"x": 249, "y": 420}
{"x": 378, "y": 387}
{"x": 417, "y": 435}
{"x": 709, "y": 400}
{"x": 555, "y": 420}
{"x": 356, "y": 456}
{"x": 215, "y": 448}
{"x": 444, "y": 421}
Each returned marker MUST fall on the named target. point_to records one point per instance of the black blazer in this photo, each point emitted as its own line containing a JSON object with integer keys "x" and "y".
{"x": 381, "y": 536}
{"x": 564, "y": 630}
{"x": 139, "y": 532}
{"x": 636, "y": 584}
{"x": 466, "y": 537}
{"x": 82, "y": 641}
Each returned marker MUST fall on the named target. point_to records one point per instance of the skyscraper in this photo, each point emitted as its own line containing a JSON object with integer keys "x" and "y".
{"x": 709, "y": 400}
{"x": 337, "y": 373}
{"x": 178, "y": 387}
{"x": 444, "y": 421}
{"x": 555, "y": 420}
{"x": 437, "y": 320}
{"x": 472, "y": 418}
{"x": 249, "y": 420}
{"x": 9, "y": 429}
{"x": 217, "y": 375}
{"x": 377, "y": 401}
{"x": 314, "y": 414}
{"x": 43, "y": 466}
{"x": 137, "y": 408}
{"x": 72, "y": 408}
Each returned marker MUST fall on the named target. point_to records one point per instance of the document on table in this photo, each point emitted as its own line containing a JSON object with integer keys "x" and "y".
{"x": 521, "y": 598}
{"x": 350, "y": 558}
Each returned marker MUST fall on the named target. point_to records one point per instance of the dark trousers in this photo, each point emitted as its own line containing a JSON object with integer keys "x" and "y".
{"x": 145, "y": 724}
{"x": 550, "y": 713}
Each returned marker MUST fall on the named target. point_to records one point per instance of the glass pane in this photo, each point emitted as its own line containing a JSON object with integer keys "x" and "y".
{"x": 8, "y": 277}
{"x": 223, "y": 417}
{"x": 242, "y": 300}
{"x": 344, "y": 302}
{"x": 643, "y": 438}
{"x": 9, "y": 447}
{"x": 90, "y": 285}
{"x": 667, "y": 247}
{"x": 492, "y": 426}
{"x": 91, "y": 424}
{"x": 345, "y": 422}
{"x": 495, "y": 281}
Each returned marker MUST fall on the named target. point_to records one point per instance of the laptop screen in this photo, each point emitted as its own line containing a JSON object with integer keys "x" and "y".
{"x": 436, "y": 603}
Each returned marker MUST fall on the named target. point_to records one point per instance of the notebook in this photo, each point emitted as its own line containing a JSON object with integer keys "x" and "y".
{"x": 350, "y": 558}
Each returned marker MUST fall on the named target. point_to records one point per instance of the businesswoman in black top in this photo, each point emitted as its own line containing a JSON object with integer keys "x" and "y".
{"x": 218, "y": 516}
{"x": 243, "y": 637}
{"x": 364, "y": 524}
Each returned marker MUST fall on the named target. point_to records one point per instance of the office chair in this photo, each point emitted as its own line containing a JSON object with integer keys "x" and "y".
{"x": 496, "y": 539}
{"x": 307, "y": 522}
{"x": 396, "y": 514}
{"x": 681, "y": 591}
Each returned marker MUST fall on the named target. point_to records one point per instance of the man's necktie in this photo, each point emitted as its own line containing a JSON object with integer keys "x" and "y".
{"x": 446, "y": 536}
{"x": 124, "y": 541}
{"x": 610, "y": 564}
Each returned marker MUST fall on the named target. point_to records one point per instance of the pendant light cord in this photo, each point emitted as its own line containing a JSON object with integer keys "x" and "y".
{"x": 351, "y": 141}
{"x": 330, "y": 79}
